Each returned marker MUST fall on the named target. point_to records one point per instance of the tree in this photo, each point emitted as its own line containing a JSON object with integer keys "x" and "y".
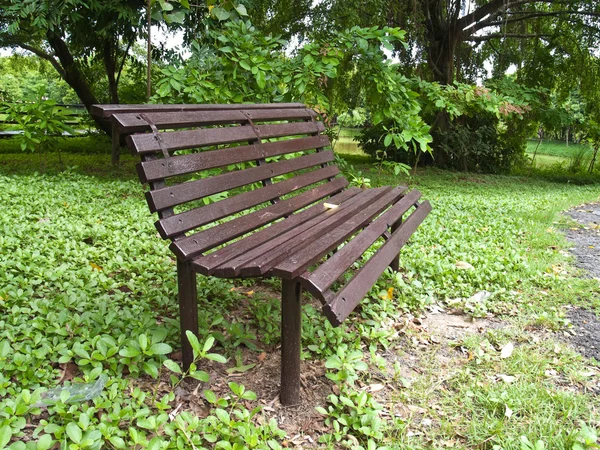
{"x": 83, "y": 40}
{"x": 448, "y": 36}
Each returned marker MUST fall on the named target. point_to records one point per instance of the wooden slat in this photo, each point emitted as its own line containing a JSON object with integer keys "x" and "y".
{"x": 134, "y": 122}
{"x": 321, "y": 279}
{"x": 106, "y": 111}
{"x": 183, "y": 164}
{"x": 207, "y": 239}
{"x": 337, "y": 309}
{"x": 181, "y": 140}
{"x": 262, "y": 258}
{"x": 313, "y": 252}
{"x": 188, "y": 220}
{"x": 197, "y": 189}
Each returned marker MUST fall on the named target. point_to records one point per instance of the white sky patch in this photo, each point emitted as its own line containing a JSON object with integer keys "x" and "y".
{"x": 171, "y": 40}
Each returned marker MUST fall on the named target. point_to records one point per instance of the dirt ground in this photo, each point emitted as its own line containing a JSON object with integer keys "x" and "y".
{"x": 586, "y": 249}
{"x": 431, "y": 333}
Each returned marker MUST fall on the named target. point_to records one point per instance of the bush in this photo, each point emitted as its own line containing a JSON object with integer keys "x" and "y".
{"x": 482, "y": 143}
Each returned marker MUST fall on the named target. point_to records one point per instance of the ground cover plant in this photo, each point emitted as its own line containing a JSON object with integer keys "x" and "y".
{"x": 87, "y": 295}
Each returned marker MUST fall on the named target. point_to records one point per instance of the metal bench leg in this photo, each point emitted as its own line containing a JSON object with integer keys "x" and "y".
{"x": 188, "y": 308}
{"x": 116, "y": 145}
{"x": 395, "y": 264}
{"x": 291, "y": 332}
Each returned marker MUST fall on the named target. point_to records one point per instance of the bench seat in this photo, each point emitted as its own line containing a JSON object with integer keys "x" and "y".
{"x": 253, "y": 191}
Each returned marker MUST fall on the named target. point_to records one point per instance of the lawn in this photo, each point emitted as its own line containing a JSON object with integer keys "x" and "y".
{"x": 558, "y": 153}
{"x": 87, "y": 292}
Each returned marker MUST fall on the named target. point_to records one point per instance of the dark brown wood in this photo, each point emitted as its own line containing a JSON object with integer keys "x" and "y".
{"x": 261, "y": 259}
{"x": 337, "y": 309}
{"x": 321, "y": 279}
{"x": 134, "y": 122}
{"x": 194, "y": 218}
{"x": 106, "y": 111}
{"x": 184, "y": 164}
{"x": 115, "y": 145}
{"x": 188, "y": 308}
{"x": 312, "y": 253}
{"x": 395, "y": 264}
{"x": 197, "y": 189}
{"x": 291, "y": 335}
{"x": 244, "y": 234}
{"x": 182, "y": 140}
{"x": 207, "y": 239}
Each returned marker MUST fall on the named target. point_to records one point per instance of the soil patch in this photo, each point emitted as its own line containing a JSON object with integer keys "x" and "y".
{"x": 586, "y": 328}
{"x": 586, "y": 239}
{"x": 586, "y": 249}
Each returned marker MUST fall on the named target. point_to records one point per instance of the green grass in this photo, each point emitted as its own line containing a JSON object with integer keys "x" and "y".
{"x": 556, "y": 154}
{"x": 83, "y": 276}
{"x": 557, "y": 148}
{"x": 345, "y": 144}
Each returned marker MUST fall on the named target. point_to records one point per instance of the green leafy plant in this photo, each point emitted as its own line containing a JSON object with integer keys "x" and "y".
{"x": 353, "y": 414}
{"x": 346, "y": 363}
{"x": 200, "y": 352}
{"x": 39, "y": 120}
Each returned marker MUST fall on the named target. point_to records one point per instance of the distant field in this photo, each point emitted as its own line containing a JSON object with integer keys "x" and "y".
{"x": 557, "y": 152}
{"x": 346, "y": 144}
{"x": 558, "y": 148}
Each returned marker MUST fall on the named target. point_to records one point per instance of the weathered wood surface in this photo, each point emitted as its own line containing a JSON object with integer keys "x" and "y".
{"x": 285, "y": 211}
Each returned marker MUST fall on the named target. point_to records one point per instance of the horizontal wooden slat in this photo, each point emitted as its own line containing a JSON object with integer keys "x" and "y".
{"x": 106, "y": 111}
{"x": 181, "y": 140}
{"x": 262, "y": 258}
{"x": 321, "y": 279}
{"x": 207, "y": 239}
{"x": 325, "y": 243}
{"x": 193, "y": 190}
{"x": 134, "y": 122}
{"x": 337, "y": 309}
{"x": 183, "y": 164}
{"x": 188, "y": 220}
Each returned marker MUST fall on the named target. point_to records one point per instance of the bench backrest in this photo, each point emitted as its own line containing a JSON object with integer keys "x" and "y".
{"x": 271, "y": 162}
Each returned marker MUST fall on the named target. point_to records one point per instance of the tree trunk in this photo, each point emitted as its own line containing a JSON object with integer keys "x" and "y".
{"x": 110, "y": 65}
{"x": 74, "y": 77}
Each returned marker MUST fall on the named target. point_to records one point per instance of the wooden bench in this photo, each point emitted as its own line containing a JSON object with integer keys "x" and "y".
{"x": 288, "y": 212}
{"x": 106, "y": 112}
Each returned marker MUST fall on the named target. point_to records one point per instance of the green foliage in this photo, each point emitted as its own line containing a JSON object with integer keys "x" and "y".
{"x": 243, "y": 65}
{"x": 353, "y": 118}
{"x": 77, "y": 299}
{"x": 354, "y": 420}
{"x": 485, "y": 129}
{"x": 41, "y": 121}
{"x": 24, "y": 77}
{"x": 346, "y": 364}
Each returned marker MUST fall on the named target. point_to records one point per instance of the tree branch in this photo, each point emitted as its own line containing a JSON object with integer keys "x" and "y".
{"x": 557, "y": 13}
{"x": 480, "y": 13}
{"x": 526, "y": 15}
{"x": 42, "y": 54}
{"x": 125, "y": 54}
{"x": 507, "y": 35}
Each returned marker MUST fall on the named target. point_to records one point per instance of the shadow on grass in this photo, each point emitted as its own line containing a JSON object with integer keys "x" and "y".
{"x": 88, "y": 155}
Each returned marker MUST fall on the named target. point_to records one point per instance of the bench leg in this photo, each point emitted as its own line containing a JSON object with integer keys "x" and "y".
{"x": 188, "y": 308}
{"x": 291, "y": 332}
{"x": 116, "y": 145}
{"x": 395, "y": 264}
